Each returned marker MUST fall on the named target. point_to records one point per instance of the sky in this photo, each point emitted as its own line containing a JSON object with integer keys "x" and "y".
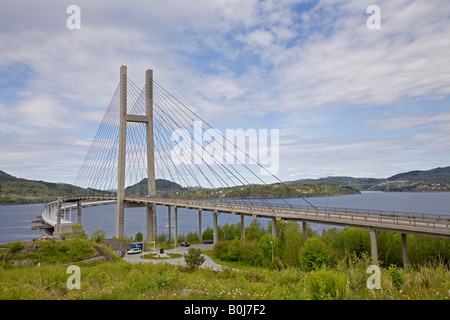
{"x": 347, "y": 99}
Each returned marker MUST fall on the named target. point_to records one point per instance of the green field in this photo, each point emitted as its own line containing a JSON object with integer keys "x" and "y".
{"x": 46, "y": 277}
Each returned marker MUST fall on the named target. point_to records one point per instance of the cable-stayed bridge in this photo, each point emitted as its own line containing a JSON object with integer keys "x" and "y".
{"x": 148, "y": 134}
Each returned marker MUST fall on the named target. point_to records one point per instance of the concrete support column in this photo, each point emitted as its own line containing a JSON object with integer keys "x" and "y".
{"x": 58, "y": 217}
{"x": 405, "y": 250}
{"x": 373, "y": 246}
{"x": 200, "y": 225}
{"x": 79, "y": 212}
{"x": 170, "y": 223}
{"x": 151, "y": 184}
{"x": 215, "y": 231}
{"x": 175, "y": 217}
{"x": 305, "y": 231}
{"x": 242, "y": 229}
{"x": 122, "y": 153}
{"x": 274, "y": 228}
{"x": 151, "y": 212}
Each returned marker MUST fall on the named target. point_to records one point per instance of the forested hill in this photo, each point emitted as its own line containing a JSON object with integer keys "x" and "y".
{"x": 435, "y": 175}
{"x": 437, "y": 179}
{"x": 17, "y": 190}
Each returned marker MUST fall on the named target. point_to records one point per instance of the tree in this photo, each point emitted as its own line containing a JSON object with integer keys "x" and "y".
{"x": 193, "y": 258}
{"x": 98, "y": 235}
{"x": 313, "y": 255}
{"x": 254, "y": 231}
{"x": 292, "y": 244}
{"x": 268, "y": 247}
{"x": 208, "y": 234}
{"x": 139, "y": 237}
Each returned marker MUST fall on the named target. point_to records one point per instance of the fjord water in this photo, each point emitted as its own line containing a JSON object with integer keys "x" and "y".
{"x": 15, "y": 220}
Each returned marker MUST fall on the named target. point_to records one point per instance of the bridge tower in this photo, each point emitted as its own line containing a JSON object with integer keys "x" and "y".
{"x": 148, "y": 120}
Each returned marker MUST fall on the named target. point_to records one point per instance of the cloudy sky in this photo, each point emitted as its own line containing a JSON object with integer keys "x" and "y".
{"x": 348, "y": 100}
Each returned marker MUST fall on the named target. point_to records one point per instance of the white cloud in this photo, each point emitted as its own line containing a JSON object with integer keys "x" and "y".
{"x": 232, "y": 61}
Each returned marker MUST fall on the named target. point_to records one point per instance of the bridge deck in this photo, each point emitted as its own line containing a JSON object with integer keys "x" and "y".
{"x": 412, "y": 223}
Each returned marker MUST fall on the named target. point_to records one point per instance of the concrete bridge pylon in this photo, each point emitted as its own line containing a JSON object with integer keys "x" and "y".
{"x": 148, "y": 120}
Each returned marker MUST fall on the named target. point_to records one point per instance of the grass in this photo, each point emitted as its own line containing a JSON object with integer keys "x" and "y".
{"x": 240, "y": 265}
{"x": 48, "y": 252}
{"x": 121, "y": 280}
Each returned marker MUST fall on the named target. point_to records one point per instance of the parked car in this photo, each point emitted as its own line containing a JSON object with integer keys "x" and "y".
{"x": 133, "y": 251}
{"x": 208, "y": 241}
{"x": 184, "y": 244}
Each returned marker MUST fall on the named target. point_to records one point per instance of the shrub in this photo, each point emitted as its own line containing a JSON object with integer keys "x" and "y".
{"x": 235, "y": 250}
{"x": 194, "y": 258}
{"x": 98, "y": 235}
{"x": 313, "y": 255}
{"x": 326, "y": 284}
{"x": 396, "y": 275}
{"x": 16, "y": 247}
{"x": 220, "y": 250}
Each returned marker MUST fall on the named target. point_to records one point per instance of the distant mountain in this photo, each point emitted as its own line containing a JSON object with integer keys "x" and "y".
{"x": 437, "y": 174}
{"x": 17, "y": 190}
{"x": 6, "y": 177}
{"x": 163, "y": 187}
{"x": 358, "y": 183}
{"x": 437, "y": 179}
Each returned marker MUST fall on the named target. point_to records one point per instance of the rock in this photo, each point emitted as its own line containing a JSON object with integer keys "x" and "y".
{"x": 26, "y": 262}
{"x": 103, "y": 253}
{"x": 29, "y": 247}
{"x": 116, "y": 244}
{"x": 187, "y": 292}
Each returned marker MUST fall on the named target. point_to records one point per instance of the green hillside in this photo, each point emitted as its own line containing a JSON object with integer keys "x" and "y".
{"x": 437, "y": 179}
{"x": 437, "y": 174}
{"x": 19, "y": 191}
{"x": 163, "y": 187}
{"x": 358, "y": 183}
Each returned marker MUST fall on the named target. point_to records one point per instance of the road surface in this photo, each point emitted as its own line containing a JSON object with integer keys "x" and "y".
{"x": 209, "y": 263}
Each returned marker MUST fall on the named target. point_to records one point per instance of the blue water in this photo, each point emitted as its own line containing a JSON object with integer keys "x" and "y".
{"x": 15, "y": 221}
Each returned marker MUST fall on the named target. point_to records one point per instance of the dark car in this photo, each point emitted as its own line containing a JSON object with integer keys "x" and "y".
{"x": 208, "y": 241}
{"x": 184, "y": 244}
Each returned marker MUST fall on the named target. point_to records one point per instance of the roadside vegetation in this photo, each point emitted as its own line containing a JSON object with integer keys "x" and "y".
{"x": 332, "y": 265}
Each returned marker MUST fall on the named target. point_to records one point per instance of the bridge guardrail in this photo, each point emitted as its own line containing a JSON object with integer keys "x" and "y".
{"x": 341, "y": 213}
{"x": 391, "y": 213}
{"x": 434, "y": 221}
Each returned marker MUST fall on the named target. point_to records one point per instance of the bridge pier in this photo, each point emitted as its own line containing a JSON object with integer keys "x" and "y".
{"x": 405, "y": 250}
{"x": 169, "y": 223}
{"x": 200, "y": 225}
{"x": 151, "y": 228}
{"x": 58, "y": 218}
{"x": 175, "y": 222}
{"x": 242, "y": 229}
{"x": 274, "y": 228}
{"x": 373, "y": 246}
{"x": 215, "y": 231}
{"x": 79, "y": 212}
{"x": 305, "y": 231}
